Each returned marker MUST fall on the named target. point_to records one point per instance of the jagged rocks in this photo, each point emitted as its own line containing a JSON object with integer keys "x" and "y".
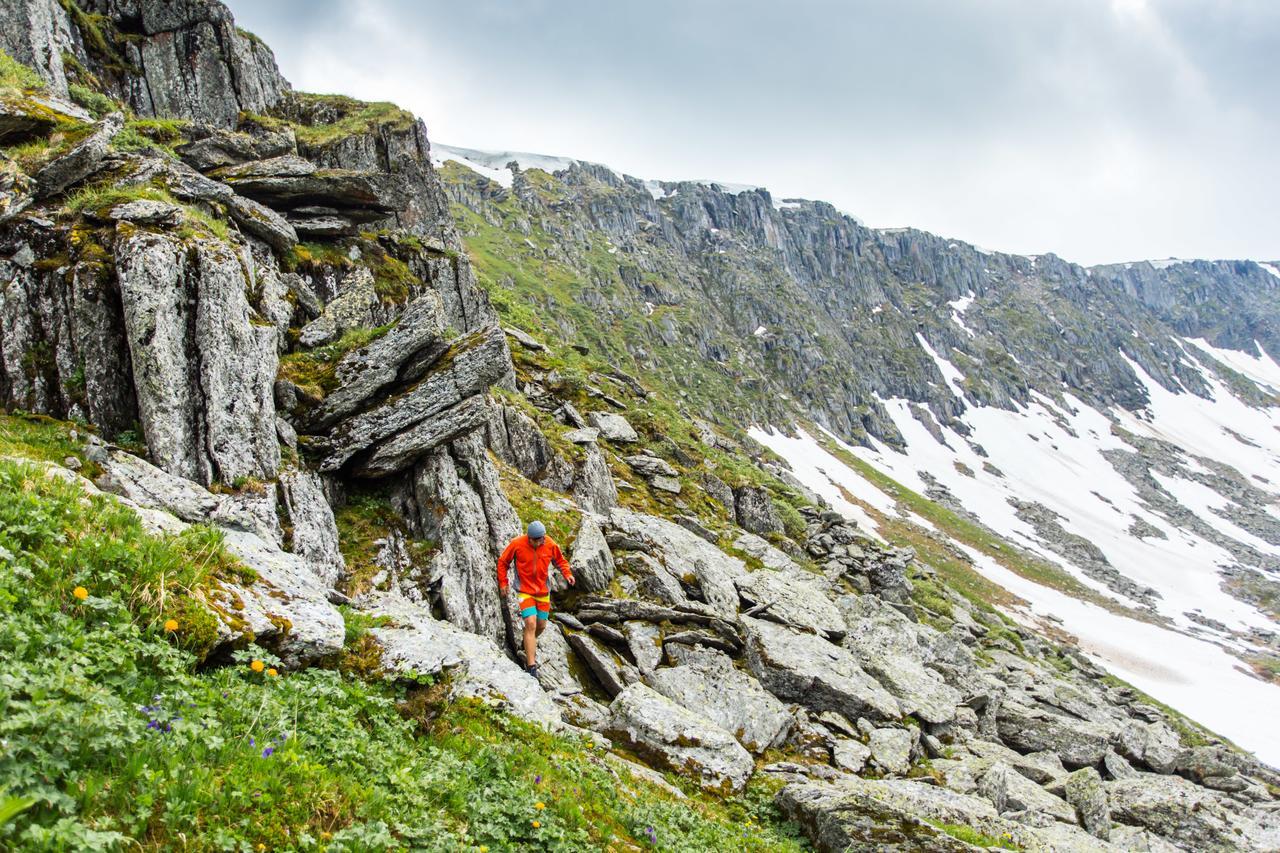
{"x": 679, "y": 740}
{"x": 658, "y": 472}
{"x": 315, "y": 533}
{"x": 793, "y": 598}
{"x": 805, "y": 668}
{"x": 417, "y": 643}
{"x": 1085, "y": 792}
{"x": 1152, "y": 744}
{"x": 203, "y": 370}
{"x": 1187, "y": 815}
{"x": 613, "y": 427}
{"x": 889, "y": 646}
{"x": 517, "y": 440}
{"x": 472, "y": 364}
{"x": 1077, "y": 742}
{"x": 755, "y": 511}
{"x": 81, "y": 161}
{"x": 593, "y": 486}
{"x": 291, "y": 183}
{"x": 212, "y": 147}
{"x": 590, "y": 557}
{"x": 1010, "y": 791}
{"x": 690, "y": 558}
{"x": 706, "y": 682}
{"x": 354, "y": 309}
{"x": 611, "y": 673}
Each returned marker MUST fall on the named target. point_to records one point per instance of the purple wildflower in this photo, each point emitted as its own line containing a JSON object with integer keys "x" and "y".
{"x": 251, "y": 741}
{"x": 153, "y": 724}
{"x": 266, "y": 753}
{"x": 537, "y": 780}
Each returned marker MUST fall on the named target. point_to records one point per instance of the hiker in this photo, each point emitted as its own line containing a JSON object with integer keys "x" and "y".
{"x": 534, "y": 553}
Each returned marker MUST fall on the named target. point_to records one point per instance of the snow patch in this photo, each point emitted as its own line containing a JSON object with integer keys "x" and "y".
{"x": 1261, "y": 368}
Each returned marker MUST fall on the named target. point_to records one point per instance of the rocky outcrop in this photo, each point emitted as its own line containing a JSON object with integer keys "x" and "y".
{"x": 203, "y": 370}
{"x": 679, "y": 740}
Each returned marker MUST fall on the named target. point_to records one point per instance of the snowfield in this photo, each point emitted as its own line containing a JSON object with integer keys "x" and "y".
{"x": 1056, "y": 454}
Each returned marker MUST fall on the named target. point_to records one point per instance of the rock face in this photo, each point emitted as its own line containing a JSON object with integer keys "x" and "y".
{"x": 678, "y": 739}
{"x": 1078, "y": 742}
{"x": 204, "y": 371}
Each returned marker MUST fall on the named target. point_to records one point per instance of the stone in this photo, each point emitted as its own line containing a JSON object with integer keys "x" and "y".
{"x": 891, "y": 750}
{"x": 687, "y": 557}
{"x": 262, "y": 222}
{"x": 402, "y": 450}
{"x": 603, "y": 664}
{"x": 148, "y": 212}
{"x": 353, "y": 309}
{"x": 1086, "y": 794}
{"x": 613, "y": 427}
{"x": 697, "y": 528}
{"x": 590, "y": 557}
{"x": 666, "y": 484}
{"x": 644, "y": 641}
{"x": 524, "y": 339}
{"x": 204, "y": 371}
{"x": 1010, "y": 791}
{"x": 1177, "y": 810}
{"x": 794, "y": 598}
{"x": 593, "y": 486}
{"x": 417, "y": 643}
{"x": 805, "y": 668}
{"x": 315, "y": 533}
{"x": 677, "y": 739}
{"x": 755, "y": 511}
{"x": 216, "y": 147}
{"x": 1039, "y": 767}
{"x": 771, "y": 557}
{"x": 479, "y": 360}
{"x": 708, "y": 684}
{"x": 1077, "y": 742}
{"x": 368, "y": 371}
{"x": 84, "y": 158}
{"x": 583, "y": 435}
{"x": 650, "y": 466}
{"x": 1117, "y": 767}
{"x": 850, "y": 756}
{"x": 1151, "y": 744}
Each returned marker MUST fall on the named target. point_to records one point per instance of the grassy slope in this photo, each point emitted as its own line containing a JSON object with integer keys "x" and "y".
{"x": 122, "y": 741}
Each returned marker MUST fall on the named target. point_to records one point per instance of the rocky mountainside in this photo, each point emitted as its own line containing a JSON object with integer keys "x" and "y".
{"x": 245, "y": 318}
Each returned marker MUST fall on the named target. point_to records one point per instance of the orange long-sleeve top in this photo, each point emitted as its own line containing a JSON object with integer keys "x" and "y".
{"x": 532, "y": 564}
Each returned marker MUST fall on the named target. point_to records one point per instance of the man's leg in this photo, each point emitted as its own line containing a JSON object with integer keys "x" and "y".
{"x": 531, "y": 632}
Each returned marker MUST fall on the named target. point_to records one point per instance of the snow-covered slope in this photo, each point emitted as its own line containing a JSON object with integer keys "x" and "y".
{"x": 1169, "y": 496}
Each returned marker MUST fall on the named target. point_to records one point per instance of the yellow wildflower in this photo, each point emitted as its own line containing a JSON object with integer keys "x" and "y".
{"x": 272, "y": 672}
{"x": 539, "y": 806}
{"x": 171, "y": 625}
{"x": 536, "y": 823}
{"x": 257, "y": 666}
{"x": 80, "y": 593}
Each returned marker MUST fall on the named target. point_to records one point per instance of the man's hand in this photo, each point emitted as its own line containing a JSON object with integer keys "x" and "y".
{"x": 502, "y": 591}
{"x": 572, "y": 581}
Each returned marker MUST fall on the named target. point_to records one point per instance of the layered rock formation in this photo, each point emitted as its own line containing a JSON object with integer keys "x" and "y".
{"x": 274, "y": 309}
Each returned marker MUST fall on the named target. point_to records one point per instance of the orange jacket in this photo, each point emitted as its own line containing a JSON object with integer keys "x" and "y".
{"x": 531, "y": 564}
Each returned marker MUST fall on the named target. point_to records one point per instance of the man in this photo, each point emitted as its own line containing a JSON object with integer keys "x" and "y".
{"x": 534, "y": 553}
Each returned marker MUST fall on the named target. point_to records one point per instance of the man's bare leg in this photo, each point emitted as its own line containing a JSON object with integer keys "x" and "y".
{"x": 531, "y": 631}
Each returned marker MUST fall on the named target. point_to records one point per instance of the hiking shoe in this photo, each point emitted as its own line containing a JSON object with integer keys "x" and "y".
{"x": 532, "y": 670}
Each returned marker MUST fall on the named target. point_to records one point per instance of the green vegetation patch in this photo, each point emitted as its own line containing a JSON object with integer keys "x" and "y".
{"x": 17, "y": 79}
{"x": 363, "y": 521}
{"x": 314, "y": 370}
{"x": 533, "y": 502}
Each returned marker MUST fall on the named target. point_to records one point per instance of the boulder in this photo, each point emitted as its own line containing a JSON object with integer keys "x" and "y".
{"x": 84, "y": 158}
{"x": 148, "y": 212}
{"x": 755, "y": 511}
{"x": 1087, "y": 795}
{"x": 1151, "y": 744}
{"x": 613, "y": 427}
{"x": 593, "y": 486}
{"x": 1077, "y": 742}
{"x": 804, "y": 668}
{"x": 792, "y": 597}
{"x": 1179, "y": 811}
{"x": 1039, "y": 767}
{"x": 644, "y": 641}
{"x": 707, "y": 683}
{"x": 215, "y": 148}
{"x": 850, "y": 756}
{"x": 604, "y": 664}
{"x": 771, "y": 557}
{"x": 590, "y": 557}
{"x": 891, "y": 750}
{"x": 677, "y": 739}
{"x": 354, "y": 309}
{"x": 1010, "y": 791}
{"x": 687, "y": 556}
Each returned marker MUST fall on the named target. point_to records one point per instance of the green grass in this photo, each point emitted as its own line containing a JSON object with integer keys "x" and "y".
{"x": 116, "y": 739}
{"x": 969, "y": 835}
{"x": 356, "y": 117}
{"x": 99, "y": 198}
{"x": 530, "y": 502}
{"x": 16, "y": 78}
{"x": 141, "y": 134}
{"x": 43, "y": 438}
{"x": 95, "y": 102}
{"x": 363, "y": 520}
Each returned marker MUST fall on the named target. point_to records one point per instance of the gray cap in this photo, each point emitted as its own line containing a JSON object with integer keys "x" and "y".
{"x": 537, "y": 530}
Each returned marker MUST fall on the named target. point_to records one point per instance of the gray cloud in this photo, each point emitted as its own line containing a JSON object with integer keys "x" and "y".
{"x": 1101, "y": 130}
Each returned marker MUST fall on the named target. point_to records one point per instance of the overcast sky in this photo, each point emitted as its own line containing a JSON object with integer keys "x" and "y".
{"x": 1102, "y": 130}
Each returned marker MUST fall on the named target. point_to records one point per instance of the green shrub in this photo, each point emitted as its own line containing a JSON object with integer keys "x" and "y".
{"x": 16, "y": 78}
{"x": 95, "y": 102}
